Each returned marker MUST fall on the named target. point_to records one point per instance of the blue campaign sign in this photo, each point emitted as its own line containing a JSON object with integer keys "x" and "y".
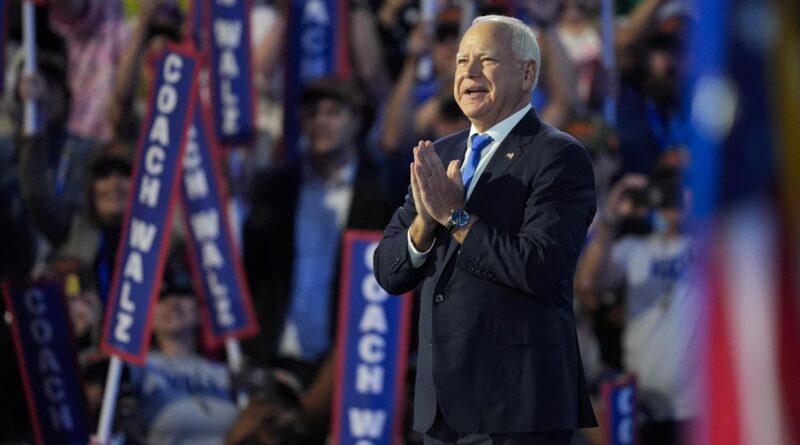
{"x": 619, "y": 398}
{"x": 228, "y": 30}
{"x": 372, "y": 349}
{"x": 48, "y": 363}
{"x": 316, "y": 47}
{"x": 226, "y": 306}
{"x": 145, "y": 234}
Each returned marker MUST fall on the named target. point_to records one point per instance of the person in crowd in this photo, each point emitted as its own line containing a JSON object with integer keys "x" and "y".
{"x": 293, "y": 235}
{"x": 581, "y": 41}
{"x": 395, "y": 21}
{"x": 493, "y": 246}
{"x": 273, "y": 415}
{"x": 96, "y": 36}
{"x": 368, "y": 54}
{"x": 649, "y": 100}
{"x": 157, "y": 23}
{"x": 413, "y": 101}
{"x": 18, "y": 255}
{"x": 83, "y": 305}
{"x": 178, "y": 396}
{"x": 555, "y": 95}
{"x": 662, "y": 323}
{"x": 88, "y": 231}
{"x": 48, "y": 91}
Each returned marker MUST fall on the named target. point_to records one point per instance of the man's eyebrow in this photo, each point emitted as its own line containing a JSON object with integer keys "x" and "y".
{"x": 479, "y": 55}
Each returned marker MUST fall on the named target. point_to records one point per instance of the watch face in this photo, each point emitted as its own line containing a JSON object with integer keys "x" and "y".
{"x": 460, "y": 218}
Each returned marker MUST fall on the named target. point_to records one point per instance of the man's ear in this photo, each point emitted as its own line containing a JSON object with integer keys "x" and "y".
{"x": 529, "y": 77}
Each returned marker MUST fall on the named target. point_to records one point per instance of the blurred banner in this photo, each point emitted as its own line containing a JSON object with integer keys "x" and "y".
{"x": 228, "y": 37}
{"x": 316, "y": 46}
{"x": 619, "y": 405}
{"x": 744, "y": 93}
{"x": 48, "y": 363}
{"x": 196, "y": 18}
{"x": 372, "y": 349}
{"x": 216, "y": 266}
{"x": 146, "y": 228}
{"x": 3, "y": 36}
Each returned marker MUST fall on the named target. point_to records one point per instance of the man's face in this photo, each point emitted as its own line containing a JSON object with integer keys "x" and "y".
{"x": 664, "y": 74}
{"x": 176, "y": 314}
{"x": 110, "y": 195}
{"x": 490, "y": 82}
{"x": 330, "y": 125}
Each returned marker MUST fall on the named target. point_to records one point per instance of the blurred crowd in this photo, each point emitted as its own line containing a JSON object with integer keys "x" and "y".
{"x": 64, "y": 191}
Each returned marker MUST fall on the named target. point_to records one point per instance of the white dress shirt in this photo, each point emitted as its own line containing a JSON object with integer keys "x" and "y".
{"x": 498, "y": 133}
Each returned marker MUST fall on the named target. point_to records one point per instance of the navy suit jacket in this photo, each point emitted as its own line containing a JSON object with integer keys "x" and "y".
{"x": 498, "y": 351}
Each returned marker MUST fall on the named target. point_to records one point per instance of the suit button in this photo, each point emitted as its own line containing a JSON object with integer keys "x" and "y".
{"x": 438, "y": 298}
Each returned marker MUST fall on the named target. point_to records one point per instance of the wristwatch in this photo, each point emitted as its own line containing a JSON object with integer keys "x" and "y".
{"x": 458, "y": 219}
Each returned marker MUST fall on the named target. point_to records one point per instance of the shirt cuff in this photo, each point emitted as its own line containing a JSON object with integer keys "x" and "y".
{"x": 417, "y": 258}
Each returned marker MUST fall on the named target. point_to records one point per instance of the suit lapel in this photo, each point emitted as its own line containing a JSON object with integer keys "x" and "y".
{"x": 504, "y": 157}
{"x": 455, "y": 150}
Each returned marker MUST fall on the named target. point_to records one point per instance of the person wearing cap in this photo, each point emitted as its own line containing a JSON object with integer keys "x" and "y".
{"x": 293, "y": 234}
{"x": 662, "y": 324}
{"x": 490, "y": 233}
{"x": 178, "y": 396}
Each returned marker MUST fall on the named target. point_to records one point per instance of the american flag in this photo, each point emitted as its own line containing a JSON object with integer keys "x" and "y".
{"x": 745, "y": 99}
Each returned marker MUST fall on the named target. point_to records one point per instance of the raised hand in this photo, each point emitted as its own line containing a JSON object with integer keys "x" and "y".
{"x": 441, "y": 191}
{"x": 422, "y": 211}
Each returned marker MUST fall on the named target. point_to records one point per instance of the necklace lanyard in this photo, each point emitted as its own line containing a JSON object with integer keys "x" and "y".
{"x": 668, "y": 137}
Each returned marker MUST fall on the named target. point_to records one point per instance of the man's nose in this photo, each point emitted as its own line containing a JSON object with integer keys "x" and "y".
{"x": 473, "y": 68}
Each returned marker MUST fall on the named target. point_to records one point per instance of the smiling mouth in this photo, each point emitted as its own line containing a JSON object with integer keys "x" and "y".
{"x": 475, "y": 90}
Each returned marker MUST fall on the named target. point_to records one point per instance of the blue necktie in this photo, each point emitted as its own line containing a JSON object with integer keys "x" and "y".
{"x": 479, "y": 142}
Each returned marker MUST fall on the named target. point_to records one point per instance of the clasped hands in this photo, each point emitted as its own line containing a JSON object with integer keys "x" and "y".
{"x": 436, "y": 192}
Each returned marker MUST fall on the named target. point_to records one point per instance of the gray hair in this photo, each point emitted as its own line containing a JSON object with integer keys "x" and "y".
{"x": 523, "y": 40}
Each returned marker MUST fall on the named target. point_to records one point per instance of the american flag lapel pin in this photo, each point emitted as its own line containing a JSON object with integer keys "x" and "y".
{"x": 510, "y": 155}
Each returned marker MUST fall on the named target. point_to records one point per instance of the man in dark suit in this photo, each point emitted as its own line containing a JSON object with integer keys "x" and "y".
{"x": 492, "y": 230}
{"x": 293, "y": 235}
